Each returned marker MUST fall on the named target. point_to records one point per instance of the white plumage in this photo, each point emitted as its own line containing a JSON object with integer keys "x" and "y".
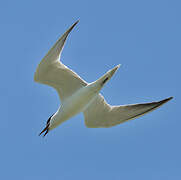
{"x": 77, "y": 95}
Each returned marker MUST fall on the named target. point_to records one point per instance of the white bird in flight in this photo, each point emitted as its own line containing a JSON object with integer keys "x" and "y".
{"x": 77, "y": 95}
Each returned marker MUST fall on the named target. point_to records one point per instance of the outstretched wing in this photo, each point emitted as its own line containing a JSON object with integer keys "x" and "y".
{"x": 100, "y": 114}
{"x": 52, "y": 72}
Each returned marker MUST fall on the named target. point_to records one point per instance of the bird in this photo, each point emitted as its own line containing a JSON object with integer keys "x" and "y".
{"x": 77, "y": 95}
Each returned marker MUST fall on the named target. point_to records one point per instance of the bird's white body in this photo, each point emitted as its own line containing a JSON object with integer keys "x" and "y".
{"x": 72, "y": 106}
{"x": 79, "y": 96}
{"x": 80, "y": 100}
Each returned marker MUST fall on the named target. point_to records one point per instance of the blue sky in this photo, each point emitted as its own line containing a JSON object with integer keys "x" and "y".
{"x": 143, "y": 36}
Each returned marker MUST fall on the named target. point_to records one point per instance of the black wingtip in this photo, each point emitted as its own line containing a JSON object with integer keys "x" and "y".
{"x": 164, "y": 101}
{"x": 70, "y": 29}
{"x": 167, "y": 99}
{"x": 77, "y": 21}
{"x": 170, "y": 98}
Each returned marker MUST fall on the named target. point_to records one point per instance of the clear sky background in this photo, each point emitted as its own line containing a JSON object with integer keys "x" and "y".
{"x": 143, "y": 36}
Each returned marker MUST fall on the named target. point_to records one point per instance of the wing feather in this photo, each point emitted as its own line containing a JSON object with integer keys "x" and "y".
{"x": 52, "y": 72}
{"x": 100, "y": 114}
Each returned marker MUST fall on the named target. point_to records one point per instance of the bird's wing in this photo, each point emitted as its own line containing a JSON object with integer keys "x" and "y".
{"x": 52, "y": 72}
{"x": 100, "y": 114}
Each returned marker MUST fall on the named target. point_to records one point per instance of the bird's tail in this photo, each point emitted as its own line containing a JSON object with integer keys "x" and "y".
{"x": 107, "y": 76}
